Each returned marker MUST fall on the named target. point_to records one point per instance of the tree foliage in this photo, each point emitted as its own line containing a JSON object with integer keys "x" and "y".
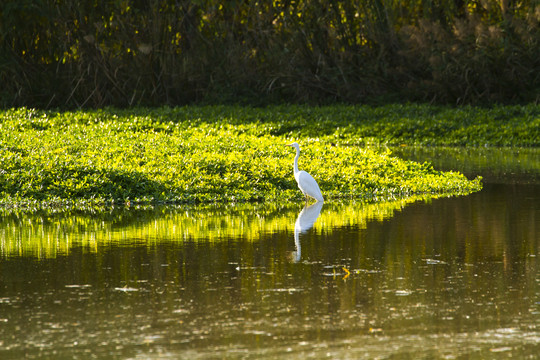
{"x": 121, "y": 52}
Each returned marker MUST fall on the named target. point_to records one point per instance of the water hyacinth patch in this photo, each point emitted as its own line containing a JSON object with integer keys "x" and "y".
{"x": 199, "y": 155}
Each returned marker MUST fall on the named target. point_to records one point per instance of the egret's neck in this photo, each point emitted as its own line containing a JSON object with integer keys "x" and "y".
{"x": 296, "y": 161}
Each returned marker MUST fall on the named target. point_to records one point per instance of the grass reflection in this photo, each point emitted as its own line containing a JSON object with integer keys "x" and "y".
{"x": 48, "y": 234}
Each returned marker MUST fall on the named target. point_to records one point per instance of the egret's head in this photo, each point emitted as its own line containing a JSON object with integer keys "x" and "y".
{"x": 294, "y": 145}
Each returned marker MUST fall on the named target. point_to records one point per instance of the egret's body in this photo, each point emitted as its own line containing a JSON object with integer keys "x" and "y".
{"x": 306, "y": 182}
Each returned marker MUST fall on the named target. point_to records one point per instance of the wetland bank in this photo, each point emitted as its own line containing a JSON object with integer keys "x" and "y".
{"x": 179, "y": 232}
{"x": 140, "y": 271}
{"x": 232, "y": 154}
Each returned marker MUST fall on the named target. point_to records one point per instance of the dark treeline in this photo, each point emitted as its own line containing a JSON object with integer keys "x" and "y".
{"x": 69, "y": 53}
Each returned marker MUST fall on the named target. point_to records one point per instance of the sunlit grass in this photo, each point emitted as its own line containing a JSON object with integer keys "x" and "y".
{"x": 204, "y": 155}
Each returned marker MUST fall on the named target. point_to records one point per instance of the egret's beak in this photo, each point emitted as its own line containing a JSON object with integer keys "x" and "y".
{"x": 288, "y": 145}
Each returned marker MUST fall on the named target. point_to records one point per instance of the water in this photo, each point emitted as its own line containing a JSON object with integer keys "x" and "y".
{"x": 442, "y": 278}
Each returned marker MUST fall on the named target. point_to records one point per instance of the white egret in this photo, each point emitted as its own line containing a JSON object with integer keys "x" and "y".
{"x": 306, "y": 182}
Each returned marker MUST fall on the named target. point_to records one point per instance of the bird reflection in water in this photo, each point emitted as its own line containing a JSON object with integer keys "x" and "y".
{"x": 304, "y": 222}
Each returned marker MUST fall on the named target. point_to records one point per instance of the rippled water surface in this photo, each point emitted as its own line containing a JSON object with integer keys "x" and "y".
{"x": 411, "y": 279}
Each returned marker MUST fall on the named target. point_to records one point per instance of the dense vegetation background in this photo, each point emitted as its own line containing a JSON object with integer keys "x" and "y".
{"x": 87, "y": 53}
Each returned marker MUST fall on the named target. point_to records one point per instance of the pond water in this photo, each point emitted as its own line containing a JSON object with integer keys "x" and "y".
{"x": 409, "y": 279}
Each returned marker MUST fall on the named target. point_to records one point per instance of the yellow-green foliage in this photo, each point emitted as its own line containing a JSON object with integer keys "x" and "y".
{"x": 124, "y": 53}
{"x": 197, "y": 154}
{"x": 46, "y": 234}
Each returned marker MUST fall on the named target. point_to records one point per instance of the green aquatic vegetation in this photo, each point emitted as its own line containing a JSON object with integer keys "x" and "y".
{"x": 201, "y": 155}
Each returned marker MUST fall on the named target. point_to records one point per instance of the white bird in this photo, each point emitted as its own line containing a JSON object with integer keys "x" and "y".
{"x": 306, "y": 182}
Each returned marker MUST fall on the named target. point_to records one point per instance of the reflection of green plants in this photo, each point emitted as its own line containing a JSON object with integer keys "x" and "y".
{"x": 502, "y": 164}
{"x": 45, "y": 234}
{"x": 201, "y": 154}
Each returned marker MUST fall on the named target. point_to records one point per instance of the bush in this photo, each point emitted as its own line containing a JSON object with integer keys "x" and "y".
{"x": 85, "y": 53}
